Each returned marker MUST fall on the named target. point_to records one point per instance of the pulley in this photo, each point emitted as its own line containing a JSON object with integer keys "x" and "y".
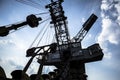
{"x": 33, "y": 21}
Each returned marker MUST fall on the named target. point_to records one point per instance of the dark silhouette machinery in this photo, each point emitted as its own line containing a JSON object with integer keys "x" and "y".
{"x": 67, "y": 55}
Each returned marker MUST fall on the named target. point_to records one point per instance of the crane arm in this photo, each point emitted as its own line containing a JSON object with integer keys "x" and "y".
{"x": 31, "y": 20}
{"x": 86, "y": 27}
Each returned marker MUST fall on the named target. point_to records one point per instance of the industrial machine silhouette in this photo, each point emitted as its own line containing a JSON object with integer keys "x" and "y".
{"x": 66, "y": 54}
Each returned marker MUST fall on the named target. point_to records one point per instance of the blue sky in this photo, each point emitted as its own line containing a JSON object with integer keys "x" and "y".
{"x": 106, "y": 32}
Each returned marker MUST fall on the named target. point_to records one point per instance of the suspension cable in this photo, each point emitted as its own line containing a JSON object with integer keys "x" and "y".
{"x": 44, "y": 2}
{"x": 35, "y": 3}
{"x": 39, "y": 32}
{"x": 26, "y": 2}
{"x": 52, "y": 37}
{"x": 36, "y": 37}
{"x": 44, "y": 20}
{"x": 48, "y": 33}
{"x": 42, "y": 35}
{"x": 42, "y": 13}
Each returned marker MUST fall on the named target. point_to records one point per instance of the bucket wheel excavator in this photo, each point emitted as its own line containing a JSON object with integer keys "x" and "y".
{"x": 66, "y": 54}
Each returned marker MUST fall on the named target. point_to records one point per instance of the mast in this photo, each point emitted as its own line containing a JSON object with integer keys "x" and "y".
{"x": 59, "y": 20}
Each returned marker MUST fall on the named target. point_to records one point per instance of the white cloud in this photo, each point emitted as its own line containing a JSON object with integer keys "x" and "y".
{"x": 13, "y": 41}
{"x": 108, "y": 55}
{"x": 13, "y": 51}
{"x": 20, "y": 43}
{"x": 118, "y": 10}
{"x": 118, "y": 20}
{"x": 110, "y": 29}
{"x": 104, "y": 6}
{"x": 110, "y": 33}
{"x": 12, "y": 63}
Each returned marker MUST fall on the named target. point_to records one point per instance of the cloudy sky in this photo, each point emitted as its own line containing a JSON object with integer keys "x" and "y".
{"x": 106, "y": 32}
